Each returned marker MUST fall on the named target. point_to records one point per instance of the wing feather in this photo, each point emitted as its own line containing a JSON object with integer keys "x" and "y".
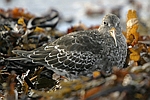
{"x": 71, "y": 53}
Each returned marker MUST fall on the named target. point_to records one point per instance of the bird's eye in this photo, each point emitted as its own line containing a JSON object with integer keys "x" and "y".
{"x": 117, "y": 24}
{"x": 105, "y": 23}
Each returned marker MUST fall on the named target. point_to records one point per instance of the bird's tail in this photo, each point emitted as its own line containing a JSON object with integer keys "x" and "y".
{"x": 21, "y": 52}
{"x": 21, "y": 55}
{"x": 16, "y": 58}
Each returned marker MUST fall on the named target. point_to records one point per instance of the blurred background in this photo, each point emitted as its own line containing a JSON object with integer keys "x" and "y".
{"x": 88, "y": 12}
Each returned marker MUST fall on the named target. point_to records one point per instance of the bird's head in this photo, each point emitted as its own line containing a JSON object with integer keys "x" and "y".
{"x": 111, "y": 26}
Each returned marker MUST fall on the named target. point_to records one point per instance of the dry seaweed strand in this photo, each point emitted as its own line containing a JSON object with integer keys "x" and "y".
{"x": 16, "y": 13}
{"x": 20, "y": 12}
{"x": 132, "y": 37}
{"x": 132, "y": 27}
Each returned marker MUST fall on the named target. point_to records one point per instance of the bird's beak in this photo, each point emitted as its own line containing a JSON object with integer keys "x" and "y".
{"x": 113, "y": 34}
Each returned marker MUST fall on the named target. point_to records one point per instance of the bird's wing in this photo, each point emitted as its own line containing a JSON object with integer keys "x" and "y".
{"x": 73, "y": 52}
{"x": 80, "y": 41}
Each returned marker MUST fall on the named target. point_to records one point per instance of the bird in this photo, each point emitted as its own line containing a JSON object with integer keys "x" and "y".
{"x": 83, "y": 52}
